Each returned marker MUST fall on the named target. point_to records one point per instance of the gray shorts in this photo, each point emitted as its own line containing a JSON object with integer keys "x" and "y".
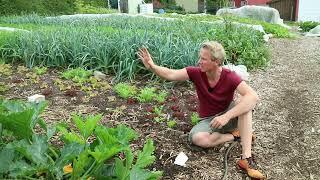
{"x": 203, "y": 125}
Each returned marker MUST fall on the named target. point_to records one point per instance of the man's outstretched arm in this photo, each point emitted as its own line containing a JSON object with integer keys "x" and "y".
{"x": 163, "y": 72}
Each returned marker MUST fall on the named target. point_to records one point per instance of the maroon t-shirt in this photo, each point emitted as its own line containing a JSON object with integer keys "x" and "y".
{"x": 221, "y": 95}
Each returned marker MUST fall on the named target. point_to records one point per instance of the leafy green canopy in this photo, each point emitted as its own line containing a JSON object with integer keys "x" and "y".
{"x": 110, "y": 44}
{"x": 90, "y": 150}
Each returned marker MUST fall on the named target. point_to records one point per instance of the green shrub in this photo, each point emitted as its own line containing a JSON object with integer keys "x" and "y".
{"x": 92, "y": 7}
{"x": 243, "y": 45}
{"x": 17, "y": 7}
{"x": 5, "y": 69}
{"x": 158, "y": 110}
{"x": 308, "y": 25}
{"x": 276, "y": 29}
{"x": 96, "y": 3}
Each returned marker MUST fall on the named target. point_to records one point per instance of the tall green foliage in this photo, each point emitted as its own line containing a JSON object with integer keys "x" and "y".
{"x": 110, "y": 44}
{"x": 308, "y": 25}
{"x": 243, "y": 46}
{"x": 9, "y": 7}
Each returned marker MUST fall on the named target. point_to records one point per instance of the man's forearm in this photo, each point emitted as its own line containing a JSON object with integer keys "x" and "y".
{"x": 163, "y": 72}
{"x": 246, "y": 104}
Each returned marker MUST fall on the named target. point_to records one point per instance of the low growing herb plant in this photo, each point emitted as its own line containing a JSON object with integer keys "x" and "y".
{"x": 194, "y": 118}
{"x": 77, "y": 75}
{"x": 172, "y": 123}
{"x": 40, "y": 70}
{"x": 147, "y": 94}
{"x": 5, "y": 69}
{"x": 158, "y": 110}
{"x": 161, "y": 97}
{"x": 125, "y": 90}
{"x": 3, "y": 87}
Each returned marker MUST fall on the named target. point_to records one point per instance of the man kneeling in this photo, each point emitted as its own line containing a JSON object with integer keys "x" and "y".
{"x": 222, "y": 119}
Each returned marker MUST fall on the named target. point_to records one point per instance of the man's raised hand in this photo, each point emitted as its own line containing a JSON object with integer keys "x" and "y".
{"x": 145, "y": 57}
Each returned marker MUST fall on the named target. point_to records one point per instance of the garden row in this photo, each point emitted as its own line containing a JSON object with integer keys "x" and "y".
{"x": 79, "y": 82}
{"x": 110, "y": 44}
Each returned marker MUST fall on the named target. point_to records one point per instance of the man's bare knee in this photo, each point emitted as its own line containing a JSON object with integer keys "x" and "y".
{"x": 204, "y": 139}
{"x": 201, "y": 139}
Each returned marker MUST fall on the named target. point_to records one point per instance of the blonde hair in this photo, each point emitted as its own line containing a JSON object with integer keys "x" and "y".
{"x": 216, "y": 50}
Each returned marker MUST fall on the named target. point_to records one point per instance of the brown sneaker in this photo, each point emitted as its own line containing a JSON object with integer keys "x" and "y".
{"x": 248, "y": 165}
{"x": 236, "y": 135}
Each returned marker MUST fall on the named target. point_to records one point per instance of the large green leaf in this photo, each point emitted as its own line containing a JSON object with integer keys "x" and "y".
{"x": 104, "y": 152}
{"x": 70, "y": 137}
{"x": 21, "y": 168}
{"x": 125, "y": 134}
{"x": 35, "y": 150}
{"x": 6, "y": 158}
{"x": 143, "y": 174}
{"x": 86, "y": 125}
{"x": 122, "y": 170}
{"x": 38, "y": 150}
{"x": 68, "y": 153}
{"x": 19, "y": 123}
{"x": 81, "y": 164}
{"x": 146, "y": 157}
{"x": 21, "y": 146}
{"x": 105, "y": 136}
{"x": 128, "y": 171}
{"x": 20, "y": 117}
{"x": 121, "y": 135}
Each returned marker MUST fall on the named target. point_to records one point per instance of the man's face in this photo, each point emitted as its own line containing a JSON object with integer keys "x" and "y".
{"x": 205, "y": 61}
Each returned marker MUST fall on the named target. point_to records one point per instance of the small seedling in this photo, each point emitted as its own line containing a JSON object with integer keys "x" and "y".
{"x": 40, "y": 70}
{"x": 159, "y": 119}
{"x": 5, "y": 69}
{"x": 147, "y": 94}
{"x": 195, "y": 118}
{"x": 158, "y": 110}
{"x": 22, "y": 69}
{"x": 33, "y": 77}
{"x": 3, "y": 87}
{"x": 124, "y": 90}
{"x": 171, "y": 123}
{"x": 77, "y": 75}
{"x": 61, "y": 85}
{"x": 161, "y": 97}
